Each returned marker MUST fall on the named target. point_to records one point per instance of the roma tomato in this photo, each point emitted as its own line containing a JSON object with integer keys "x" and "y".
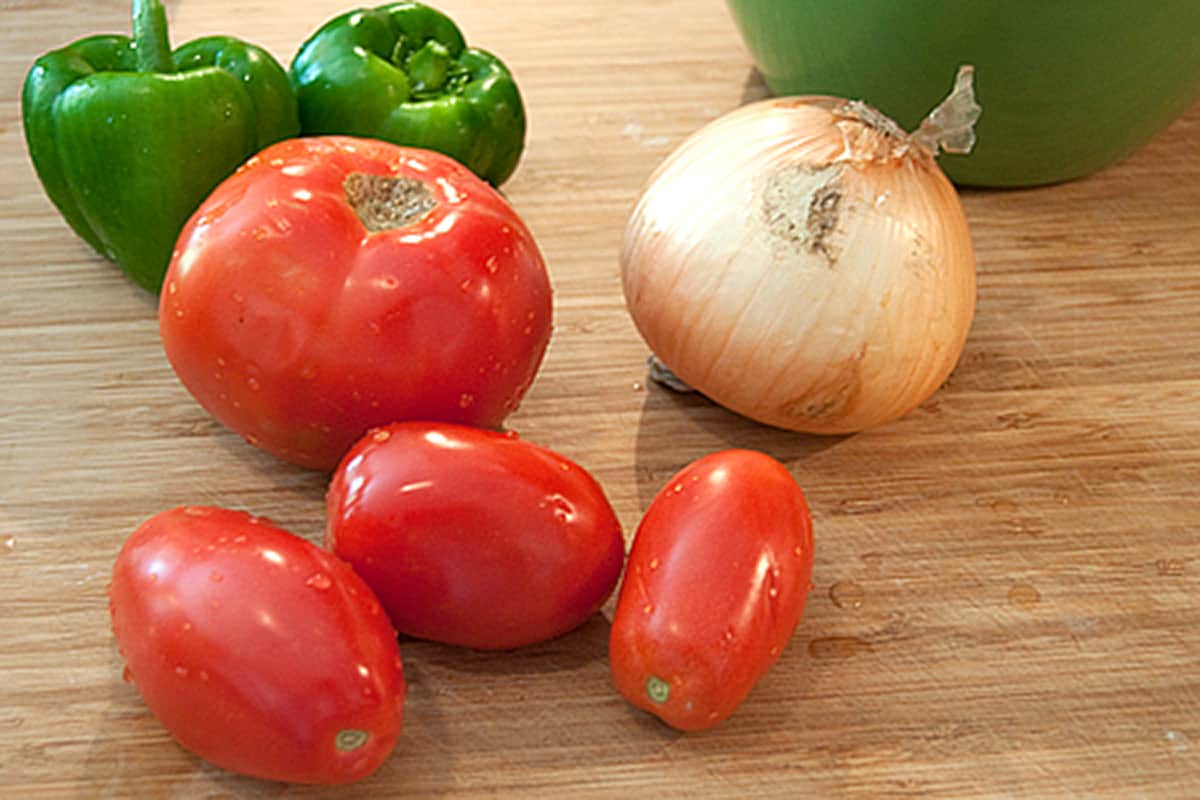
{"x": 258, "y": 651}
{"x": 474, "y": 538}
{"x": 717, "y": 579}
{"x": 335, "y": 284}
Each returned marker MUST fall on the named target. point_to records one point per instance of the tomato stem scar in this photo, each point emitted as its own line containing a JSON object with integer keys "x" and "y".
{"x": 658, "y": 689}
{"x": 350, "y": 739}
{"x": 384, "y": 202}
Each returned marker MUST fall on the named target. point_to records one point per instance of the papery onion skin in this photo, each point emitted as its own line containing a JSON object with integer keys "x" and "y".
{"x": 803, "y": 263}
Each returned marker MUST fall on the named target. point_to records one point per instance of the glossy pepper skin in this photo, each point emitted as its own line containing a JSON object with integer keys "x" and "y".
{"x": 403, "y": 73}
{"x": 128, "y": 138}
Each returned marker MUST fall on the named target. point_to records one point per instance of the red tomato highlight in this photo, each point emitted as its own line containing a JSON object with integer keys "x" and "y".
{"x": 258, "y": 651}
{"x": 717, "y": 579}
{"x": 472, "y": 537}
{"x": 335, "y": 284}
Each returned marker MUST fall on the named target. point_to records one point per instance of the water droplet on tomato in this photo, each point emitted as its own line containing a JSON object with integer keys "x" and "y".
{"x": 466, "y": 284}
{"x": 239, "y": 539}
{"x": 491, "y": 265}
{"x": 181, "y": 671}
{"x": 253, "y": 384}
{"x": 308, "y": 372}
{"x": 381, "y": 436}
{"x": 677, "y": 488}
{"x": 653, "y": 563}
{"x": 172, "y": 287}
{"x": 179, "y": 313}
{"x": 203, "y": 675}
{"x": 216, "y": 577}
{"x": 465, "y": 400}
{"x": 250, "y": 438}
{"x": 563, "y": 510}
{"x": 185, "y": 627}
{"x": 319, "y": 581}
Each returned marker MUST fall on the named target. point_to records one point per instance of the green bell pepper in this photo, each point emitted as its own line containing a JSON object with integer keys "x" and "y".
{"x": 403, "y": 73}
{"x": 128, "y": 138}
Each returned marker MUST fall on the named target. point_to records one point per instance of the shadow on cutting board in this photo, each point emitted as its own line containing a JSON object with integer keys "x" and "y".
{"x": 676, "y": 428}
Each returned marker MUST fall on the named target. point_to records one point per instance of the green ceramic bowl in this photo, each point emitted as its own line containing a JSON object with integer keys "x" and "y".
{"x": 1068, "y": 87}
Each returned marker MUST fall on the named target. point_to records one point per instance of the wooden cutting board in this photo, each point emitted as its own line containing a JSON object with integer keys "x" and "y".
{"x": 1006, "y": 581}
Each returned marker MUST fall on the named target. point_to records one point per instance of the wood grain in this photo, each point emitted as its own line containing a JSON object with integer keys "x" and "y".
{"x": 1006, "y": 580}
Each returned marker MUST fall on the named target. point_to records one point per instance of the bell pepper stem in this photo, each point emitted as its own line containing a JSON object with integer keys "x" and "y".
{"x": 429, "y": 67}
{"x": 151, "y": 38}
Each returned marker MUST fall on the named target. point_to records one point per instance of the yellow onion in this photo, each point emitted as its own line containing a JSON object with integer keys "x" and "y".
{"x": 804, "y": 261}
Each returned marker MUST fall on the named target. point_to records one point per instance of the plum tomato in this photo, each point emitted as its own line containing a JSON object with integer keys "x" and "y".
{"x": 717, "y": 578}
{"x": 258, "y": 651}
{"x": 335, "y": 284}
{"x": 472, "y": 537}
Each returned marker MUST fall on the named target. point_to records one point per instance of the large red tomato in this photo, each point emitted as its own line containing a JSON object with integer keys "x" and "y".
{"x": 258, "y": 651}
{"x": 472, "y": 537}
{"x": 716, "y": 582}
{"x": 335, "y": 284}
